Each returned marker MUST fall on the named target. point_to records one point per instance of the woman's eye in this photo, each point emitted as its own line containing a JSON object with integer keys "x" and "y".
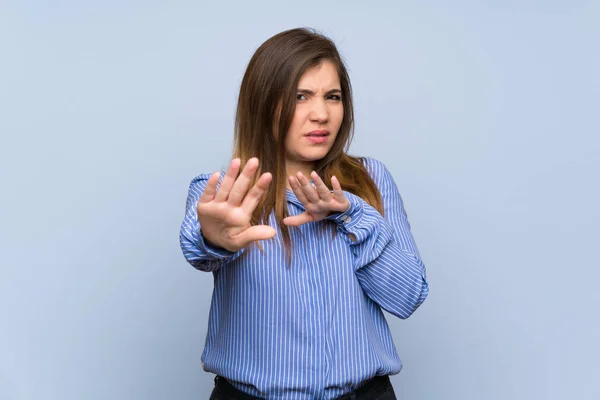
{"x": 300, "y": 96}
{"x": 335, "y": 97}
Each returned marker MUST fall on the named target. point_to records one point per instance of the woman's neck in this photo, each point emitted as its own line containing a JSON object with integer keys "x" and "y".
{"x": 292, "y": 169}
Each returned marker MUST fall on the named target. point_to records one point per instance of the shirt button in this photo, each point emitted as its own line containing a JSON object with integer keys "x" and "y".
{"x": 347, "y": 219}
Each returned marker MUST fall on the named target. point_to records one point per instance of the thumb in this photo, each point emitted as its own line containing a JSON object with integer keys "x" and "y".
{"x": 254, "y": 233}
{"x": 299, "y": 219}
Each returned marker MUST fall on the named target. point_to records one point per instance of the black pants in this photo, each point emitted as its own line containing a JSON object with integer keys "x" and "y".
{"x": 378, "y": 388}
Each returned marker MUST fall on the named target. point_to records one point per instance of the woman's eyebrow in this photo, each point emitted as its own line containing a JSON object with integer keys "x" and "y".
{"x": 310, "y": 92}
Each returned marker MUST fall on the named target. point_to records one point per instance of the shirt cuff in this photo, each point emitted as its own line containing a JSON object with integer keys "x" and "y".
{"x": 349, "y": 218}
{"x": 217, "y": 253}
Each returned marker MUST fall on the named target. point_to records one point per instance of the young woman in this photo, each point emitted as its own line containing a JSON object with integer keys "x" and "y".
{"x": 306, "y": 243}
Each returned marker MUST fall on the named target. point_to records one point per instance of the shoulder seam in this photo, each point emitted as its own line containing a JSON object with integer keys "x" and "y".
{"x": 201, "y": 177}
{"x": 372, "y": 163}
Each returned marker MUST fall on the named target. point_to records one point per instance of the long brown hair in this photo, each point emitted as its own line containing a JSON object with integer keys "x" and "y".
{"x": 266, "y": 106}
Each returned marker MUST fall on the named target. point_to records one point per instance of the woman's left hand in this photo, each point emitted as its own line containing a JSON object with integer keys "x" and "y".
{"x": 318, "y": 200}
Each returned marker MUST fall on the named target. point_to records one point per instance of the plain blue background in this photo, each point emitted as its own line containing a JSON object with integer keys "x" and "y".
{"x": 485, "y": 112}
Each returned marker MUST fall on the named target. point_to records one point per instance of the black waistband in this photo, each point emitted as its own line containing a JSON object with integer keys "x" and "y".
{"x": 375, "y": 386}
{"x": 230, "y": 391}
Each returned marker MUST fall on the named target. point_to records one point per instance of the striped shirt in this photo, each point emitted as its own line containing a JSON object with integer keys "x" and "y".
{"x": 315, "y": 330}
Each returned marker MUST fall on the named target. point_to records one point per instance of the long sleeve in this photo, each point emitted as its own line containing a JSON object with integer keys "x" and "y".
{"x": 268, "y": 318}
{"x": 387, "y": 262}
{"x": 198, "y": 252}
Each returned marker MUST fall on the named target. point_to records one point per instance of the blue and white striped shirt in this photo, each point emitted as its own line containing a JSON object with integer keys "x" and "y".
{"x": 315, "y": 330}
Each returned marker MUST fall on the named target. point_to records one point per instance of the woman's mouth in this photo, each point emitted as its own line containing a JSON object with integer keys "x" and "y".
{"x": 317, "y": 136}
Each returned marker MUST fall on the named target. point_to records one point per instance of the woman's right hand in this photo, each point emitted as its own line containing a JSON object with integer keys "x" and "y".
{"x": 224, "y": 215}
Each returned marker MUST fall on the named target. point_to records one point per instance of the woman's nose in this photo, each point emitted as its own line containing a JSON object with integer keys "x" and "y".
{"x": 319, "y": 111}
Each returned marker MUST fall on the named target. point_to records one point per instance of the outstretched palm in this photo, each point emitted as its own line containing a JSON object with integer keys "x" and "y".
{"x": 318, "y": 200}
{"x": 225, "y": 214}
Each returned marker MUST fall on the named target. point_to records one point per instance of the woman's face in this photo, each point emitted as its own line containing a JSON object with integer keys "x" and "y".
{"x": 318, "y": 116}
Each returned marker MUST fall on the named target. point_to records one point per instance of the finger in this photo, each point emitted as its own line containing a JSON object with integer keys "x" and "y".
{"x": 211, "y": 188}
{"x": 307, "y": 188}
{"x": 228, "y": 180}
{"x": 299, "y": 219}
{"x": 254, "y": 233}
{"x": 322, "y": 189}
{"x": 337, "y": 190}
{"x": 252, "y": 199}
{"x": 297, "y": 189}
{"x": 240, "y": 187}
